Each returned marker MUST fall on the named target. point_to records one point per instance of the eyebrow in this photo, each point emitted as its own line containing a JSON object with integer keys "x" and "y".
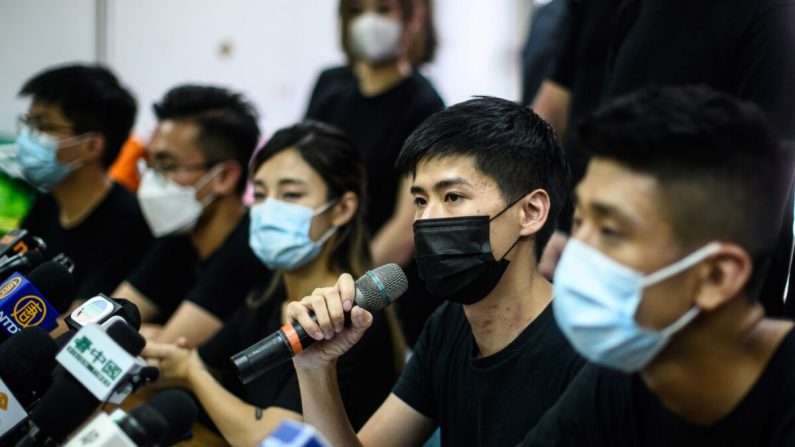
{"x": 291, "y": 181}
{"x": 442, "y": 185}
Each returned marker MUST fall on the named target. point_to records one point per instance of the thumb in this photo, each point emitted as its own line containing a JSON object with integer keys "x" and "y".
{"x": 360, "y": 319}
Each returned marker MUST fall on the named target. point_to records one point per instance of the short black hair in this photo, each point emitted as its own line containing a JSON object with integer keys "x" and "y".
{"x": 91, "y": 97}
{"x": 508, "y": 142}
{"x": 228, "y": 128}
{"x": 723, "y": 174}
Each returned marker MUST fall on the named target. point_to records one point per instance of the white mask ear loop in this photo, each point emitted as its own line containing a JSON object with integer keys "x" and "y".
{"x": 204, "y": 181}
{"x": 330, "y": 232}
{"x": 681, "y": 265}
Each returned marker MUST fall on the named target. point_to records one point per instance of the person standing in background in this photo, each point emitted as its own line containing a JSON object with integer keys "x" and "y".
{"x": 378, "y": 99}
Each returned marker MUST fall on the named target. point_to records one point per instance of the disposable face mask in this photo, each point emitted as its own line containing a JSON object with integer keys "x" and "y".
{"x": 171, "y": 208}
{"x": 375, "y": 38}
{"x": 37, "y": 155}
{"x": 596, "y": 299}
{"x": 454, "y": 257}
{"x": 279, "y": 234}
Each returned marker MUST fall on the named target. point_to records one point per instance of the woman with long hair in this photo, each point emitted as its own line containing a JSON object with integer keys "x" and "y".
{"x": 306, "y": 224}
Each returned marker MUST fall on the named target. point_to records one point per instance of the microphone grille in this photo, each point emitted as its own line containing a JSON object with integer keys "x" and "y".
{"x": 380, "y": 286}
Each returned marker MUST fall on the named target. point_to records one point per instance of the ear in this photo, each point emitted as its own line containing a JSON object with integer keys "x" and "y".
{"x": 723, "y": 277}
{"x": 93, "y": 148}
{"x": 534, "y": 212}
{"x": 344, "y": 210}
{"x": 225, "y": 182}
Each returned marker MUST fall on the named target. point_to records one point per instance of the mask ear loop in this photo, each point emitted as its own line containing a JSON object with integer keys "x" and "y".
{"x": 330, "y": 232}
{"x": 510, "y": 205}
{"x": 214, "y": 171}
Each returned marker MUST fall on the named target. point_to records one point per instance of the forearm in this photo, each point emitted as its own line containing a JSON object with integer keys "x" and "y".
{"x": 323, "y": 407}
{"x": 241, "y": 424}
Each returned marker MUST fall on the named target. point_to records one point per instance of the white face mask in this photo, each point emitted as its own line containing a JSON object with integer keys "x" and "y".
{"x": 171, "y": 208}
{"x": 375, "y": 38}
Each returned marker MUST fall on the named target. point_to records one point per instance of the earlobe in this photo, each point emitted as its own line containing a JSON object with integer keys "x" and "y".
{"x": 724, "y": 277}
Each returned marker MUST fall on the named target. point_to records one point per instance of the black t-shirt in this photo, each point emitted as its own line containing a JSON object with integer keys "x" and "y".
{"x": 604, "y": 407}
{"x": 488, "y": 401}
{"x": 172, "y": 272}
{"x": 366, "y": 373}
{"x": 105, "y": 246}
{"x": 378, "y": 126}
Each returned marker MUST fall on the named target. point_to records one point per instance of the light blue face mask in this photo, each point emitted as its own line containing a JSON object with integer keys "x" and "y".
{"x": 279, "y": 234}
{"x": 596, "y": 299}
{"x": 37, "y": 155}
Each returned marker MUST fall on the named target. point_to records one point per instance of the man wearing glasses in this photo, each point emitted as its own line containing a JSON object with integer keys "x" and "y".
{"x": 201, "y": 267}
{"x": 77, "y": 121}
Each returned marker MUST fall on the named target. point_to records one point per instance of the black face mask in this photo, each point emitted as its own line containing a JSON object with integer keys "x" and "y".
{"x": 454, "y": 257}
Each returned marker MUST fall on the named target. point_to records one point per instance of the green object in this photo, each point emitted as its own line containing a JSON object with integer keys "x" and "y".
{"x": 16, "y": 196}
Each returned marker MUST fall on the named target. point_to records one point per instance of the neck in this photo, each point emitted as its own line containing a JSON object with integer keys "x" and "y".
{"x": 520, "y": 296}
{"x": 218, "y": 221}
{"x": 302, "y": 281}
{"x": 80, "y": 193}
{"x": 376, "y": 79}
{"x": 711, "y": 365}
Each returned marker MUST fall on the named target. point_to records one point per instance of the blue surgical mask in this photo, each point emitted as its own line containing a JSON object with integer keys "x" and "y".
{"x": 37, "y": 155}
{"x": 596, "y": 299}
{"x": 279, "y": 234}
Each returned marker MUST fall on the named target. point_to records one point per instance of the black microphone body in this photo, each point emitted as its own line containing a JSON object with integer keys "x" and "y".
{"x": 375, "y": 290}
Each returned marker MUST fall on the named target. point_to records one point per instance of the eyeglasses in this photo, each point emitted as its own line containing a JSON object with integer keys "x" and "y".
{"x": 166, "y": 168}
{"x": 43, "y": 126}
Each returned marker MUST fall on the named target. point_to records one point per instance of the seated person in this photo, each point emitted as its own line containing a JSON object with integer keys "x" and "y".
{"x": 307, "y": 224}
{"x": 77, "y": 121}
{"x": 488, "y": 180}
{"x": 201, "y": 267}
{"x": 678, "y": 208}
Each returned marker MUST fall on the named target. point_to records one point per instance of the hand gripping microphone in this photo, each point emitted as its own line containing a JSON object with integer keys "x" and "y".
{"x": 375, "y": 290}
{"x": 161, "y": 421}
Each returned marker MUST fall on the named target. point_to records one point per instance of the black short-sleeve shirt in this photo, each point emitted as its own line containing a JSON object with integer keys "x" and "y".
{"x": 604, "y": 407}
{"x": 378, "y": 125}
{"x": 105, "y": 246}
{"x": 489, "y": 401}
{"x": 172, "y": 272}
{"x": 366, "y": 373}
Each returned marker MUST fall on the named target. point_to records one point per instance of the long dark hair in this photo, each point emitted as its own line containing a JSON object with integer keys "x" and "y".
{"x": 334, "y": 157}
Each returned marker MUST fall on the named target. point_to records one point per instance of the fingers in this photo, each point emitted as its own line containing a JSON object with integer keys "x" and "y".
{"x": 347, "y": 291}
{"x": 360, "y": 319}
{"x": 158, "y": 350}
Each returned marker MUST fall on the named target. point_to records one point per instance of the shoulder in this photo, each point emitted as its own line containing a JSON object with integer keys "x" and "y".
{"x": 334, "y": 77}
{"x": 424, "y": 93}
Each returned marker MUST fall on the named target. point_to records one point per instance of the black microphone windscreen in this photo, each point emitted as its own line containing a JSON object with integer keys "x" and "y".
{"x": 26, "y": 363}
{"x": 178, "y": 409}
{"x": 145, "y": 426}
{"x": 126, "y": 337}
{"x": 65, "y": 406}
{"x": 55, "y": 283}
{"x": 130, "y": 312}
{"x": 380, "y": 286}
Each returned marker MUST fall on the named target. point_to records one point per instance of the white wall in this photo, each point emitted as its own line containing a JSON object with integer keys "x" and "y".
{"x": 33, "y": 35}
{"x": 272, "y": 50}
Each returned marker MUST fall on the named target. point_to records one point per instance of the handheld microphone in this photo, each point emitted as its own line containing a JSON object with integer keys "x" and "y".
{"x": 104, "y": 311}
{"x": 20, "y": 251}
{"x": 17, "y": 241}
{"x": 375, "y": 290}
{"x": 73, "y": 396}
{"x": 23, "y": 303}
{"x": 294, "y": 434}
{"x": 159, "y": 422}
{"x": 26, "y": 364}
